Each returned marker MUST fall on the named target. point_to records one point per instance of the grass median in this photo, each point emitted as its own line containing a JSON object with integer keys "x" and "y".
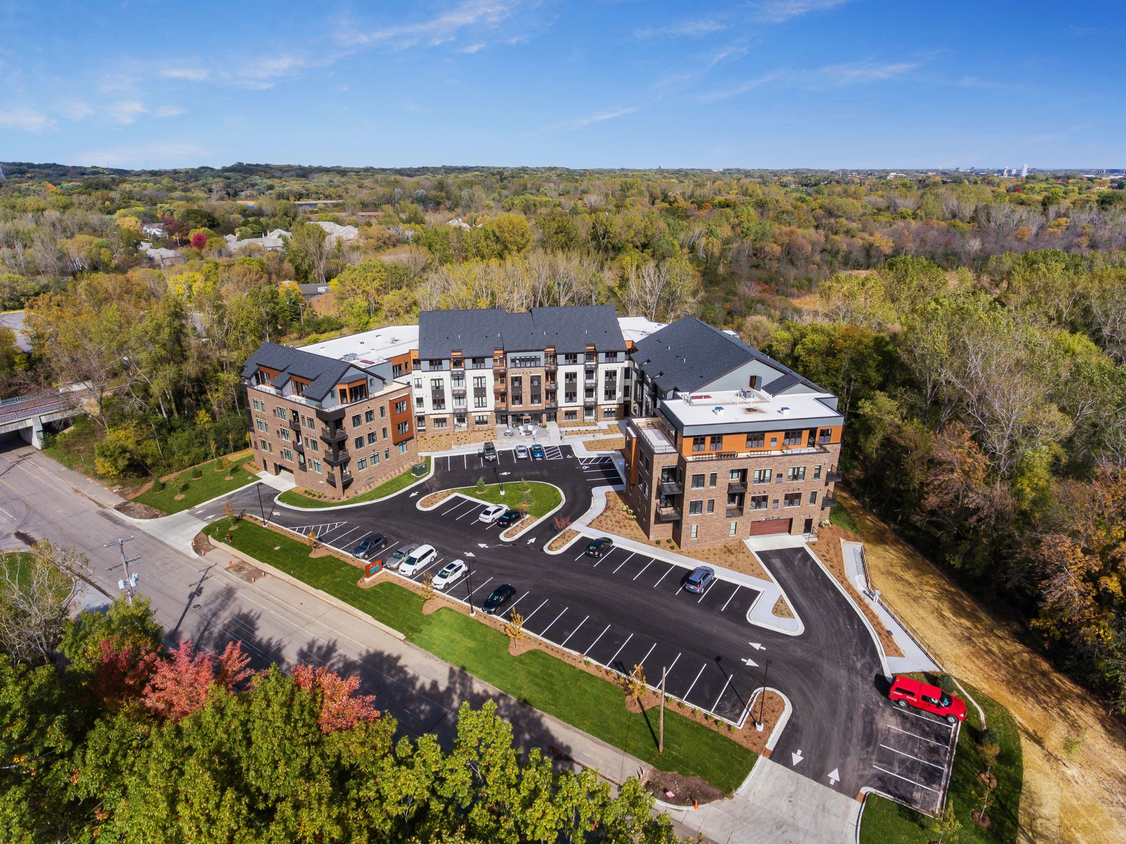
{"x": 541, "y": 498}
{"x": 183, "y": 491}
{"x": 886, "y": 822}
{"x": 548, "y": 684}
{"x": 397, "y": 483}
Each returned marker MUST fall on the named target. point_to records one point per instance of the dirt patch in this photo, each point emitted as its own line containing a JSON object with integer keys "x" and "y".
{"x": 446, "y": 441}
{"x": 1074, "y": 797}
{"x": 561, "y": 539}
{"x": 520, "y": 646}
{"x": 828, "y": 550}
{"x": 606, "y": 444}
{"x": 180, "y": 496}
{"x": 321, "y": 551}
{"x": 614, "y": 519}
{"x": 680, "y": 790}
{"x": 436, "y": 498}
{"x": 734, "y": 555}
{"x": 782, "y": 608}
{"x": 202, "y": 544}
{"x": 138, "y": 511}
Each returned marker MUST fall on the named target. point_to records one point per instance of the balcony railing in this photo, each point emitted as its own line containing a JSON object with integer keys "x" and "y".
{"x": 713, "y": 455}
{"x": 733, "y": 512}
{"x": 736, "y": 487}
{"x": 671, "y": 488}
{"x": 338, "y": 459}
{"x": 827, "y": 502}
{"x": 832, "y": 477}
{"x": 765, "y": 505}
{"x": 668, "y": 514}
{"x": 295, "y": 425}
{"x": 333, "y": 435}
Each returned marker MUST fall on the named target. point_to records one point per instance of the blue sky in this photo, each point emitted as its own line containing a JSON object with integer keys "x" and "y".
{"x": 600, "y": 83}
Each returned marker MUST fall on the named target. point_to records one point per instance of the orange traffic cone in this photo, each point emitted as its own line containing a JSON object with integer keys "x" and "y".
{"x": 695, "y": 804}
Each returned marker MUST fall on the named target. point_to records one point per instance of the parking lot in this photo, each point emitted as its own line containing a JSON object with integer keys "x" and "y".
{"x": 600, "y": 470}
{"x": 915, "y": 757}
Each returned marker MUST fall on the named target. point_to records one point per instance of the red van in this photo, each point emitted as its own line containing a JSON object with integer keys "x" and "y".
{"x": 907, "y": 692}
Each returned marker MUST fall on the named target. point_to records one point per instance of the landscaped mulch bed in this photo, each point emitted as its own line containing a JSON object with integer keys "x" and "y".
{"x": 680, "y": 790}
{"x": 136, "y": 510}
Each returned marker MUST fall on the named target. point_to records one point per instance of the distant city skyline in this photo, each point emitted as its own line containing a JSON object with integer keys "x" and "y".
{"x": 820, "y": 84}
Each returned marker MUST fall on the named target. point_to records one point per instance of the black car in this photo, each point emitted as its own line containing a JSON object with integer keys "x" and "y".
{"x": 600, "y": 547}
{"x": 369, "y": 546}
{"x": 509, "y": 519}
{"x": 499, "y": 597}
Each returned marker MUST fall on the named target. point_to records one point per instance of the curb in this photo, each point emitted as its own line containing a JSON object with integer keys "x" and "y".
{"x": 299, "y": 509}
{"x": 574, "y": 539}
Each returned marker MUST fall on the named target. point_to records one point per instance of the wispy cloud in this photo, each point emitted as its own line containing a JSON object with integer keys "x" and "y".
{"x": 472, "y": 48}
{"x": 441, "y": 28}
{"x": 847, "y": 74}
{"x": 146, "y": 155}
{"x": 76, "y": 110}
{"x": 168, "y": 111}
{"x": 262, "y": 73}
{"x": 742, "y": 88}
{"x": 779, "y": 11}
{"x": 690, "y": 27}
{"x": 126, "y": 111}
{"x": 597, "y": 117}
{"x": 192, "y": 74}
{"x": 822, "y": 77}
{"x": 25, "y": 119}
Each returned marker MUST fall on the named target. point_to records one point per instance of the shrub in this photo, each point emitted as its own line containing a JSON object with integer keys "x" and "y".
{"x": 157, "y": 485}
{"x": 561, "y": 522}
{"x": 197, "y": 472}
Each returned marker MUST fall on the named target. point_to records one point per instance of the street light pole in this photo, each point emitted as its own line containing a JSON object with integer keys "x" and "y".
{"x": 261, "y": 509}
{"x": 469, "y": 597}
{"x": 762, "y": 698}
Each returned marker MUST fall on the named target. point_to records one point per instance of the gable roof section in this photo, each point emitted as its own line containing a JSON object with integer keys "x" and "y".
{"x": 323, "y": 374}
{"x": 689, "y": 354}
{"x": 478, "y": 333}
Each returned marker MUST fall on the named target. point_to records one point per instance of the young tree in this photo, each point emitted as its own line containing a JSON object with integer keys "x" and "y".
{"x": 37, "y": 591}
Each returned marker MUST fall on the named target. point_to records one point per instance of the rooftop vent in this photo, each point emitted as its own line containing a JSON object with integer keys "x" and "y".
{"x": 785, "y": 411}
{"x": 718, "y": 410}
{"x": 349, "y": 357}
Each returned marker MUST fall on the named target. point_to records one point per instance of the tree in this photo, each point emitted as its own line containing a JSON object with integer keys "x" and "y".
{"x": 341, "y": 707}
{"x": 635, "y": 683}
{"x": 38, "y": 588}
{"x": 125, "y": 625}
{"x": 182, "y": 684}
{"x": 945, "y": 828}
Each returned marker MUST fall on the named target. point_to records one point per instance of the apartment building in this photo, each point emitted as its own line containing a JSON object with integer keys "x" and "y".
{"x": 724, "y": 441}
{"x": 340, "y": 427}
{"x": 481, "y": 368}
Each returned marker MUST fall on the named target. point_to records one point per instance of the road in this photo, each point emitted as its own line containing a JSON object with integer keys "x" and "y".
{"x": 628, "y": 609}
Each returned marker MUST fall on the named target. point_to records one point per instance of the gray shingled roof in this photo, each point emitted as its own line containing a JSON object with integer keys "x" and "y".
{"x": 478, "y": 333}
{"x": 689, "y": 354}
{"x": 322, "y": 373}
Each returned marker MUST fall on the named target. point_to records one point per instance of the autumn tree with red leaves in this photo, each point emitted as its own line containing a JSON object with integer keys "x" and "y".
{"x": 183, "y": 683}
{"x": 121, "y": 673}
{"x": 341, "y": 707}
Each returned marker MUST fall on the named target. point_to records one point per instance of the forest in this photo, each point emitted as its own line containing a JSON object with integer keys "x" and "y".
{"x": 974, "y": 326}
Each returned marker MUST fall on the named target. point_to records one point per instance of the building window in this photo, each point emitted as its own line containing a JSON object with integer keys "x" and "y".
{"x": 813, "y": 498}
{"x": 263, "y": 444}
{"x": 763, "y": 476}
{"x": 611, "y": 357}
{"x": 480, "y": 401}
{"x": 716, "y": 443}
{"x": 760, "y": 502}
{"x": 440, "y": 422}
{"x": 695, "y": 508}
{"x": 791, "y": 499}
{"x": 375, "y": 458}
{"x": 711, "y": 505}
{"x": 795, "y": 473}
{"x": 793, "y": 438}
{"x": 699, "y": 443}
{"x": 361, "y": 463}
{"x": 697, "y": 482}
{"x": 735, "y": 475}
{"x": 420, "y": 403}
{"x": 369, "y": 416}
{"x": 404, "y": 427}
{"x": 400, "y": 407}
{"x": 359, "y": 443}
{"x": 315, "y": 445}
{"x": 356, "y": 421}
{"x": 588, "y": 413}
{"x": 817, "y": 473}
{"x": 287, "y": 455}
{"x": 826, "y": 435}
{"x": 756, "y": 440}
{"x": 261, "y": 424}
{"x": 372, "y": 438}
{"x": 386, "y": 454}
{"x": 383, "y": 409}
{"x": 609, "y": 413}
{"x": 712, "y": 479}
{"x": 317, "y": 466}
{"x": 481, "y": 420}
{"x": 731, "y": 528}
{"x": 570, "y": 416}
{"x": 402, "y": 448}
{"x": 284, "y": 433}
{"x": 695, "y": 529}
{"x": 384, "y": 433}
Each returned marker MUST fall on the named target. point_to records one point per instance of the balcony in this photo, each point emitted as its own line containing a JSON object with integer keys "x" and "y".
{"x": 550, "y": 404}
{"x": 671, "y": 487}
{"x": 736, "y": 487}
{"x": 299, "y": 447}
{"x": 827, "y": 502}
{"x": 339, "y": 459}
{"x": 295, "y": 425}
{"x": 668, "y": 514}
{"x": 551, "y": 366}
{"x": 832, "y": 477}
{"x": 333, "y": 435}
{"x": 590, "y": 365}
{"x": 713, "y": 455}
{"x": 498, "y": 365}
{"x": 733, "y": 512}
{"x": 345, "y": 480}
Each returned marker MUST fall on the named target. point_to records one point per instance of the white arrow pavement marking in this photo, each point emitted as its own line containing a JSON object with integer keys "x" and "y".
{"x": 797, "y": 757}
{"x": 532, "y": 541}
{"x": 505, "y": 474}
{"x": 482, "y": 545}
{"x": 413, "y": 494}
{"x": 470, "y": 554}
{"x": 756, "y": 646}
{"x": 750, "y": 663}
{"x": 834, "y": 776}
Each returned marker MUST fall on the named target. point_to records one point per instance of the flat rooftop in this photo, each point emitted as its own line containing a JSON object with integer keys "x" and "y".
{"x": 743, "y": 408}
{"x": 637, "y": 328}
{"x": 369, "y": 347}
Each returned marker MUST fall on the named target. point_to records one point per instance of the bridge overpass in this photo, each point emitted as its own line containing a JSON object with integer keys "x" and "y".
{"x": 28, "y": 414}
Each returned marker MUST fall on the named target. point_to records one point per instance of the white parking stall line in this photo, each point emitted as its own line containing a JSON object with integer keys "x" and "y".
{"x": 626, "y": 560}
{"x": 902, "y": 711}
{"x": 694, "y": 682}
{"x": 733, "y": 594}
{"x": 421, "y": 573}
{"x": 595, "y": 642}
{"x": 389, "y": 546}
{"x": 536, "y": 610}
{"x": 610, "y": 662}
{"x": 916, "y": 758}
{"x": 518, "y": 600}
{"x": 662, "y": 577}
{"x": 905, "y": 779}
{"x": 668, "y": 670}
{"x": 581, "y": 556}
{"x": 643, "y": 570}
{"x": 573, "y": 632}
{"x": 681, "y": 589}
{"x": 478, "y": 589}
{"x": 457, "y": 506}
{"x": 602, "y": 559}
{"x": 349, "y": 533}
{"x": 647, "y": 655}
{"x": 472, "y": 511}
{"x": 921, "y": 738}
{"x": 722, "y": 692}
{"x": 447, "y": 464}
{"x": 544, "y": 631}
{"x": 711, "y": 586}
{"x": 465, "y": 461}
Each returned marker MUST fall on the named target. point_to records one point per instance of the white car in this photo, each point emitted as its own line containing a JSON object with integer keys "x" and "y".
{"x": 450, "y": 572}
{"x": 491, "y": 513}
{"x": 522, "y": 452}
{"x": 419, "y": 558}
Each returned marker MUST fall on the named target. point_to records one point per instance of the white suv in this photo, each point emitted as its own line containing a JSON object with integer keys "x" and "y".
{"x": 419, "y": 558}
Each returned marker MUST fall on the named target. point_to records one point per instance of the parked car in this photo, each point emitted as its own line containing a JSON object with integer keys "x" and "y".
{"x": 419, "y": 558}
{"x": 600, "y": 547}
{"x": 510, "y": 518}
{"x": 699, "y": 579}
{"x": 491, "y": 513}
{"x": 369, "y": 546}
{"x": 522, "y": 452}
{"x": 490, "y": 451}
{"x": 398, "y": 555}
{"x": 908, "y": 692}
{"x": 450, "y": 573}
{"x": 537, "y": 452}
{"x": 498, "y": 598}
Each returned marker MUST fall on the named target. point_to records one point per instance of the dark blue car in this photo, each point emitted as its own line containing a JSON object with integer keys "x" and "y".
{"x": 499, "y": 597}
{"x": 509, "y": 519}
{"x": 369, "y": 546}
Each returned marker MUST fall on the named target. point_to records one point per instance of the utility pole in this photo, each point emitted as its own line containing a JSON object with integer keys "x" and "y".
{"x": 661, "y": 740}
{"x": 128, "y": 584}
{"x": 762, "y": 698}
{"x": 469, "y": 597}
{"x": 261, "y": 509}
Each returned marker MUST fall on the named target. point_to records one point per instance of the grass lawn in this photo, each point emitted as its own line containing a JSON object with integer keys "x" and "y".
{"x": 839, "y": 516}
{"x": 210, "y": 484}
{"x": 886, "y": 822}
{"x": 540, "y": 680}
{"x": 296, "y": 499}
{"x": 545, "y": 497}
